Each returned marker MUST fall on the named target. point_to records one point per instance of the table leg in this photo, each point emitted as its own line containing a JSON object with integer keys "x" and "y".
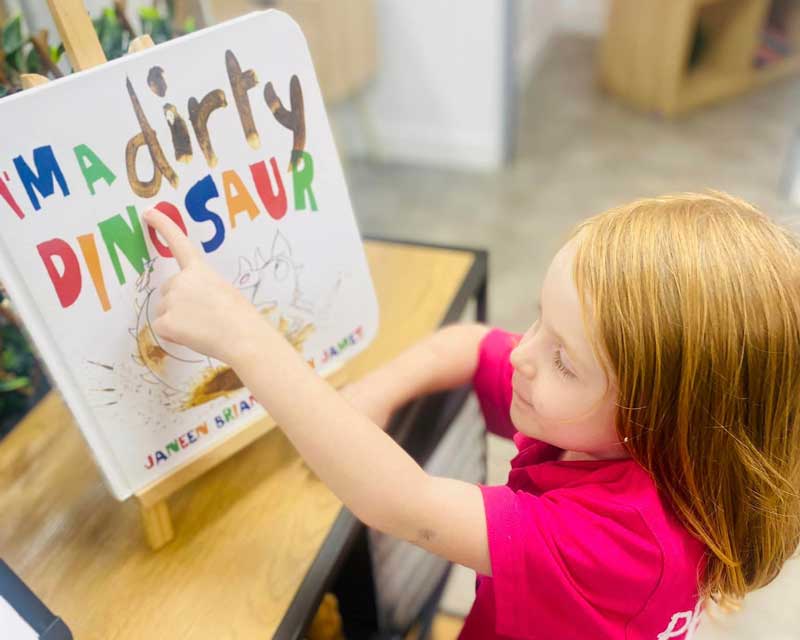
{"x": 157, "y": 524}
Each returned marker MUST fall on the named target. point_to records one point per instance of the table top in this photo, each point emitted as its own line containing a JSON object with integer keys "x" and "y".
{"x": 246, "y": 532}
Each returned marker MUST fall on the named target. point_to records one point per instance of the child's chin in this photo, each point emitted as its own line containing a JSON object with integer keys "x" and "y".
{"x": 524, "y": 424}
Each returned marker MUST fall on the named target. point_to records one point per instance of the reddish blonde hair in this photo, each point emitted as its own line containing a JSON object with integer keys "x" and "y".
{"x": 694, "y": 305}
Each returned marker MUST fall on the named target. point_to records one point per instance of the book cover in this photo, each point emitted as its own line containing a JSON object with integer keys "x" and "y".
{"x": 224, "y": 130}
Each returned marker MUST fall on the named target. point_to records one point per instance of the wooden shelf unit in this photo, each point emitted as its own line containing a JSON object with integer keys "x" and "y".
{"x": 672, "y": 57}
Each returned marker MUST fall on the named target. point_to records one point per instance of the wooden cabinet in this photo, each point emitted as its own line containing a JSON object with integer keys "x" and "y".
{"x": 672, "y": 57}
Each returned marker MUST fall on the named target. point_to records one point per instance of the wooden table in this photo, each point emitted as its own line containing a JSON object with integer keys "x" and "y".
{"x": 257, "y": 539}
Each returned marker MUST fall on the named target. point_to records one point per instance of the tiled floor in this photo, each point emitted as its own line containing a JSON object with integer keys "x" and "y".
{"x": 580, "y": 152}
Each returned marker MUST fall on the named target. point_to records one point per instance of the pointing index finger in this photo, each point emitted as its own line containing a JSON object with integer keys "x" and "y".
{"x": 182, "y": 249}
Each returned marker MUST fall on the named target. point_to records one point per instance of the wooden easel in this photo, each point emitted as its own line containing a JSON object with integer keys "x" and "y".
{"x": 84, "y": 52}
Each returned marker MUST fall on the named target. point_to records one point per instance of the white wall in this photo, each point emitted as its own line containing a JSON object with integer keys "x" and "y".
{"x": 582, "y": 16}
{"x": 438, "y": 97}
{"x": 536, "y": 21}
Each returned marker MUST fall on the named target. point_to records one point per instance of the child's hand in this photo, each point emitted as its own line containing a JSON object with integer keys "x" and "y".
{"x": 198, "y": 308}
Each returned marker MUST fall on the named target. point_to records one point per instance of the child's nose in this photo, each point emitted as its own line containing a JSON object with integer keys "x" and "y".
{"x": 522, "y": 361}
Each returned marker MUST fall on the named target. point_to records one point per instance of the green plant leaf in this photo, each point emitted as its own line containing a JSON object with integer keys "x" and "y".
{"x": 33, "y": 61}
{"x": 111, "y": 40}
{"x": 17, "y": 61}
{"x": 155, "y": 24}
{"x": 190, "y": 24}
{"x": 149, "y": 13}
{"x": 4, "y": 90}
{"x": 12, "y": 35}
{"x": 110, "y": 33}
{"x": 11, "y": 359}
{"x": 55, "y": 53}
{"x": 13, "y": 384}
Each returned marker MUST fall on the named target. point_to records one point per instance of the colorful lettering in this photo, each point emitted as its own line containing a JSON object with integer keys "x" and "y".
{"x": 172, "y": 211}
{"x": 47, "y": 169}
{"x": 89, "y": 250}
{"x": 274, "y": 202}
{"x": 129, "y": 239}
{"x": 301, "y": 181}
{"x": 92, "y": 167}
{"x": 197, "y": 197}
{"x": 5, "y": 193}
{"x": 68, "y": 283}
{"x": 237, "y": 197}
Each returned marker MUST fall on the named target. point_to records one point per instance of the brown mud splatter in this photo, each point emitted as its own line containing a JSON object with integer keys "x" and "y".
{"x": 149, "y": 351}
{"x": 221, "y": 381}
{"x": 157, "y": 82}
{"x": 216, "y": 382}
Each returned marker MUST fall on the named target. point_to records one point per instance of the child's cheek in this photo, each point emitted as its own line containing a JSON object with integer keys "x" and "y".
{"x": 542, "y": 401}
{"x": 550, "y": 401}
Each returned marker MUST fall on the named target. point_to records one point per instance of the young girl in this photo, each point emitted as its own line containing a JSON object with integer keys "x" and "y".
{"x": 655, "y": 405}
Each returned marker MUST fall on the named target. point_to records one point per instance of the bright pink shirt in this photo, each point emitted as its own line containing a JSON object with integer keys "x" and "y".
{"x": 580, "y": 550}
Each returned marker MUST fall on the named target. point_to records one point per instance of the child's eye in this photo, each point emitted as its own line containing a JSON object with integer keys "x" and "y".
{"x": 559, "y": 365}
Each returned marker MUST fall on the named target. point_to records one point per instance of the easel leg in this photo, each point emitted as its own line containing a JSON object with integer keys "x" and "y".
{"x": 157, "y": 524}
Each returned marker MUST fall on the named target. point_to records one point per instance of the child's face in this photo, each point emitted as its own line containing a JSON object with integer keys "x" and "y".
{"x": 561, "y": 394}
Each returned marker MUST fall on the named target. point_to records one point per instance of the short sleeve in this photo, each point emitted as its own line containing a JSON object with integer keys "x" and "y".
{"x": 492, "y": 381}
{"x": 559, "y": 562}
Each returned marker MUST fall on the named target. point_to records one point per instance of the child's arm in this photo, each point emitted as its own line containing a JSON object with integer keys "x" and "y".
{"x": 444, "y": 360}
{"x": 364, "y": 467}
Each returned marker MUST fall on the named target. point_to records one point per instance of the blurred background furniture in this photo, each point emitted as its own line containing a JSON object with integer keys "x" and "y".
{"x": 672, "y": 57}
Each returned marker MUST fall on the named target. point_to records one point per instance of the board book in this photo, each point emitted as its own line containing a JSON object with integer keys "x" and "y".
{"x": 224, "y": 130}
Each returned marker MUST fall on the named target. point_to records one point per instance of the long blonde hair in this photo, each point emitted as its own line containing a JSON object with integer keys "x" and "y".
{"x": 694, "y": 302}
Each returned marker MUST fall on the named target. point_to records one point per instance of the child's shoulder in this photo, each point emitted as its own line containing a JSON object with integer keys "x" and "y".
{"x": 617, "y": 498}
{"x": 594, "y": 537}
